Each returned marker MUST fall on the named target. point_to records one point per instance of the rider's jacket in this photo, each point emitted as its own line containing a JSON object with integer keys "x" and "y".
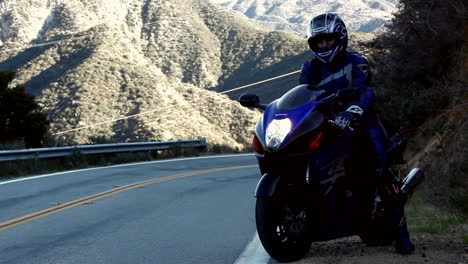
{"x": 352, "y": 70}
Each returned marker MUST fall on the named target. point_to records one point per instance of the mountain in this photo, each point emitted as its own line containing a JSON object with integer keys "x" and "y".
{"x": 162, "y": 62}
{"x": 294, "y": 15}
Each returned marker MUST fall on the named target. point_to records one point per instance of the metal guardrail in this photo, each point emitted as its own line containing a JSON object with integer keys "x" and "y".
{"x": 21, "y": 154}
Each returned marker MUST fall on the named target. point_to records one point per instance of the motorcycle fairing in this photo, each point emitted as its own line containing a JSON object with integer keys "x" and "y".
{"x": 329, "y": 164}
{"x": 303, "y": 118}
{"x": 299, "y": 105}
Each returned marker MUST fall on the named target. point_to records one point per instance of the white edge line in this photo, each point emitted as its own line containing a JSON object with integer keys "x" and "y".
{"x": 121, "y": 165}
{"x": 254, "y": 253}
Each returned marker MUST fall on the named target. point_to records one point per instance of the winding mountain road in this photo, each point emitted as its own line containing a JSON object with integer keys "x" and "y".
{"x": 195, "y": 210}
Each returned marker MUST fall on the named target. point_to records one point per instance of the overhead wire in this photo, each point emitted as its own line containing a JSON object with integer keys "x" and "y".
{"x": 193, "y": 110}
{"x": 185, "y": 110}
{"x": 206, "y": 12}
{"x": 173, "y": 105}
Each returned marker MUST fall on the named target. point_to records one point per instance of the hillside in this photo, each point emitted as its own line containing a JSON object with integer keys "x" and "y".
{"x": 93, "y": 62}
{"x": 293, "y": 16}
{"x": 90, "y": 62}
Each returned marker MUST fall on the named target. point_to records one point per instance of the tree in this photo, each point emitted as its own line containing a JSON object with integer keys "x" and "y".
{"x": 21, "y": 118}
{"x": 415, "y": 56}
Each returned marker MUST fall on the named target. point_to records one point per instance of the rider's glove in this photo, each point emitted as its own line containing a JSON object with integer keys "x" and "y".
{"x": 343, "y": 119}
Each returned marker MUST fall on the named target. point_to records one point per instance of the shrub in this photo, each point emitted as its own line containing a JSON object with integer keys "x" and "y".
{"x": 413, "y": 58}
{"x": 21, "y": 118}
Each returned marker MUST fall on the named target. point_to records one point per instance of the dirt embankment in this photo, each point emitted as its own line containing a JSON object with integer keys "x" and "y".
{"x": 445, "y": 248}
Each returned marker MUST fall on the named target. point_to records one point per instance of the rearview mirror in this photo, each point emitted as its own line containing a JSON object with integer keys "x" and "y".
{"x": 249, "y": 100}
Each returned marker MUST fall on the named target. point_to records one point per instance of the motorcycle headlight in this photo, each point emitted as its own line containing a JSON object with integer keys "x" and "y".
{"x": 277, "y": 131}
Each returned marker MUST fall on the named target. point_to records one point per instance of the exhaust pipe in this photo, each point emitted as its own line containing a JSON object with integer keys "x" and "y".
{"x": 411, "y": 182}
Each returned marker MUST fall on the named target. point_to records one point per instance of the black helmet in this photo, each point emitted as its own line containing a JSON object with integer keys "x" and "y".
{"x": 327, "y": 25}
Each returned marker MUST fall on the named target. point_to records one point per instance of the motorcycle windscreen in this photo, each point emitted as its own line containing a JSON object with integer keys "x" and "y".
{"x": 298, "y": 96}
{"x": 299, "y": 107}
{"x": 310, "y": 122}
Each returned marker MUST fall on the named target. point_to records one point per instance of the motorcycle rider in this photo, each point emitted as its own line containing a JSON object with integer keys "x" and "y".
{"x": 333, "y": 68}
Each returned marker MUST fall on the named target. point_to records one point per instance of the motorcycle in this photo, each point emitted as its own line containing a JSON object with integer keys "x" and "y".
{"x": 315, "y": 185}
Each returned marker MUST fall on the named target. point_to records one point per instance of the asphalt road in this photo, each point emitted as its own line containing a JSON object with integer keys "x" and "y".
{"x": 198, "y": 210}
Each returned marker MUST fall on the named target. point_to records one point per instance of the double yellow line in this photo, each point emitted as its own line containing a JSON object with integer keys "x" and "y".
{"x": 88, "y": 199}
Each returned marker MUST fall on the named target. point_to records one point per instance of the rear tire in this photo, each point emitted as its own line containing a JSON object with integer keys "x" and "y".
{"x": 283, "y": 231}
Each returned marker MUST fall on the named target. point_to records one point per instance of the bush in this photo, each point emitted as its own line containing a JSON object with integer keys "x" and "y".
{"x": 413, "y": 59}
{"x": 21, "y": 118}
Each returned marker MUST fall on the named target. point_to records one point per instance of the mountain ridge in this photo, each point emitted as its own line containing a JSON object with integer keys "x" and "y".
{"x": 91, "y": 62}
{"x": 293, "y": 16}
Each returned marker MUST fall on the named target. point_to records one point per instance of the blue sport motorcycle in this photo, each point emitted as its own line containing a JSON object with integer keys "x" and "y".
{"x": 317, "y": 182}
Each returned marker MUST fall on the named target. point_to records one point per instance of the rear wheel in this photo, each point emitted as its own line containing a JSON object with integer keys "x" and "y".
{"x": 283, "y": 229}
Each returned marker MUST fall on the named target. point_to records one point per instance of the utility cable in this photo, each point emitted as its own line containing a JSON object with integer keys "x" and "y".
{"x": 191, "y": 110}
{"x": 171, "y": 106}
{"x": 46, "y": 43}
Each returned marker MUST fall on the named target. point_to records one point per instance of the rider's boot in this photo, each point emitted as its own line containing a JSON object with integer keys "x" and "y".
{"x": 402, "y": 240}
{"x": 389, "y": 193}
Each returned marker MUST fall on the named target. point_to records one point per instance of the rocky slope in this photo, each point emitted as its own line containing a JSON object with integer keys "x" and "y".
{"x": 92, "y": 61}
{"x": 293, "y": 16}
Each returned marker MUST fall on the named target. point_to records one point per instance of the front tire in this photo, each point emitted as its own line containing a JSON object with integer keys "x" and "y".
{"x": 283, "y": 230}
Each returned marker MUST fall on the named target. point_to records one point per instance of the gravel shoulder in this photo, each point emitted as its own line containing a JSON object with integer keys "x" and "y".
{"x": 446, "y": 247}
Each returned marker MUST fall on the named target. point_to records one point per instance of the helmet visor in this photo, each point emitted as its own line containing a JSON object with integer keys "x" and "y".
{"x": 324, "y": 42}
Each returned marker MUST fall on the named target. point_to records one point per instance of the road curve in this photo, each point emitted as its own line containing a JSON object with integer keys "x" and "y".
{"x": 197, "y": 210}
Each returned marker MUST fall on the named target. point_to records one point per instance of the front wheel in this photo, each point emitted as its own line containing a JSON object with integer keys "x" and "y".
{"x": 282, "y": 229}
